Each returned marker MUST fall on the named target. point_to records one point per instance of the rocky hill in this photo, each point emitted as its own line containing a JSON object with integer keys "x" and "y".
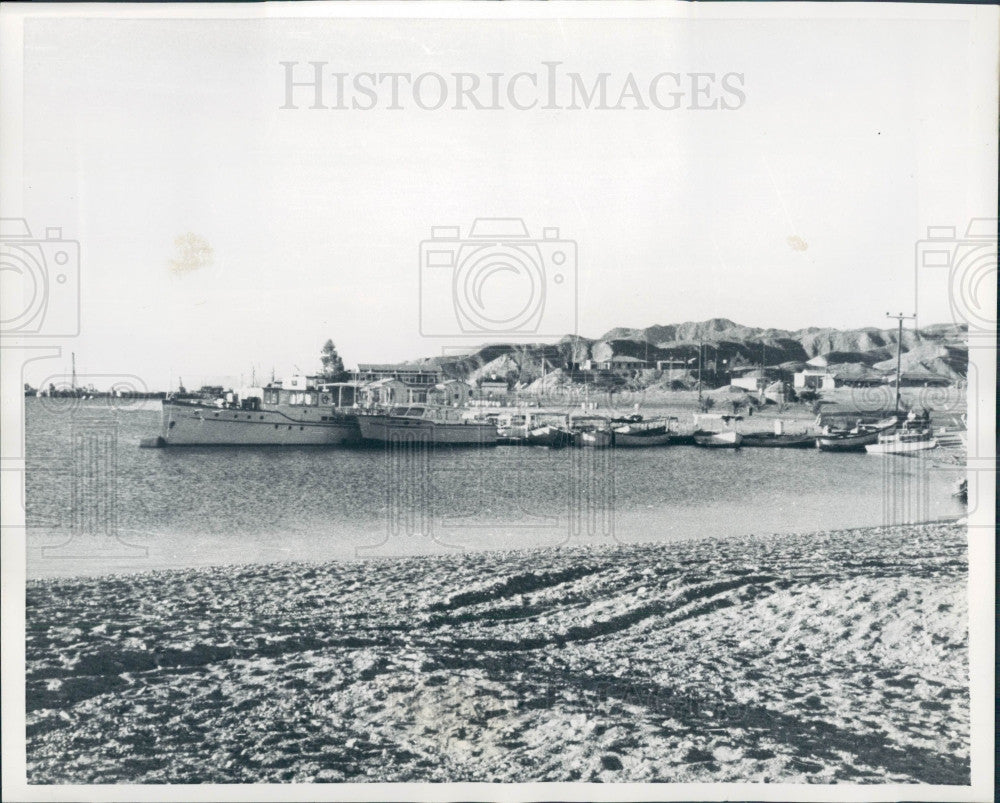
{"x": 941, "y": 349}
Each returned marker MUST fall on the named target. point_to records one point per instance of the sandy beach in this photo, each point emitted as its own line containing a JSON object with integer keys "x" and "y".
{"x": 815, "y": 658}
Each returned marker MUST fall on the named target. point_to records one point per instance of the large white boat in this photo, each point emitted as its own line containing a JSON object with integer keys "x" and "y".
{"x": 427, "y": 423}
{"x": 273, "y": 416}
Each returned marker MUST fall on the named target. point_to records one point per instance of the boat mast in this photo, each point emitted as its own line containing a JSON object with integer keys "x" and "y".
{"x": 72, "y": 381}
{"x": 899, "y": 349}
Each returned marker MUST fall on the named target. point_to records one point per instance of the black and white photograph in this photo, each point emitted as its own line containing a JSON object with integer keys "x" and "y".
{"x": 498, "y": 401}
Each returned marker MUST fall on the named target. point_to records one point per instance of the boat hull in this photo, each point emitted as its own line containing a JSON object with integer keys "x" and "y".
{"x": 718, "y": 440}
{"x": 593, "y": 440}
{"x": 632, "y": 440}
{"x": 771, "y": 441}
{"x": 202, "y": 425}
{"x": 385, "y": 429}
{"x": 904, "y": 446}
{"x": 854, "y": 441}
{"x": 552, "y": 437}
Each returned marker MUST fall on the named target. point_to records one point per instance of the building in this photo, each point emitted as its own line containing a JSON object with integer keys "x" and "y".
{"x": 412, "y": 375}
{"x": 814, "y": 379}
{"x": 919, "y": 378}
{"x": 491, "y": 389}
{"x": 451, "y": 392}
{"x": 754, "y": 379}
{"x": 620, "y": 363}
{"x": 387, "y": 391}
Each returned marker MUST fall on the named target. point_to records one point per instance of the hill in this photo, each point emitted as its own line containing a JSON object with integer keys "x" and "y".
{"x": 940, "y": 349}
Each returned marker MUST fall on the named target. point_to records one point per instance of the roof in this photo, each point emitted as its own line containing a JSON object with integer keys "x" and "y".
{"x": 623, "y": 358}
{"x": 389, "y": 366}
{"x": 377, "y": 383}
{"x": 856, "y": 371}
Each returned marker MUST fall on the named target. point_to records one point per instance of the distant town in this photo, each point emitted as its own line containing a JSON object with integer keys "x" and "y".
{"x": 768, "y": 365}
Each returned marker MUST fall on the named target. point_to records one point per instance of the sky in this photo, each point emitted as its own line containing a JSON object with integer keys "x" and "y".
{"x": 799, "y": 207}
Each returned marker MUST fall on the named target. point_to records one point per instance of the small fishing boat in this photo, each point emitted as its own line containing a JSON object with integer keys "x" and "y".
{"x": 906, "y": 440}
{"x": 724, "y": 433}
{"x": 779, "y": 439}
{"x": 856, "y": 439}
{"x": 550, "y": 435}
{"x": 655, "y": 432}
{"x": 599, "y": 438}
{"x": 592, "y": 431}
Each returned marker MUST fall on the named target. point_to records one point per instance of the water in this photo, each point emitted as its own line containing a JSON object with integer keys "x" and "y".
{"x": 96, "y": 503}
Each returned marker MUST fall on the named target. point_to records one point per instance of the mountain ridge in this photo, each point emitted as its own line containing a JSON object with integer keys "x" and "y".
{"x": 940, "y": 349}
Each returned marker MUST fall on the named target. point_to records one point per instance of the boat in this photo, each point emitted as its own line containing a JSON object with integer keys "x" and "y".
{"x": 909, "y": 438}
{"x": 654, "y": 432}
{"x": 779, "y": 439}
{"x": 306, "y": 415}
{"x": 599, "y": 438}
{"x": 591, "y": 431}
{"x": 427, "y": 423}
{"x": 856, "y": 439}
{"x": 550, "y": 435}
{"x": 786, "y": 440}
{"x": 726, "y": 437}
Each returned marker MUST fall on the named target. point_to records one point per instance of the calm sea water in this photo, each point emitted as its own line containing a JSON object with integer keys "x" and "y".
{"x": 96, "y": 503}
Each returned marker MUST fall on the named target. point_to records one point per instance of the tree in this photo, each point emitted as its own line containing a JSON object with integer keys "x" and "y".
{"x": 707, "y": 404}
{"x": 333, "y": 366}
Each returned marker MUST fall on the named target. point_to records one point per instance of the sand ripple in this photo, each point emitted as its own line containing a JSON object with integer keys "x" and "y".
{"x": 815, "y": 658}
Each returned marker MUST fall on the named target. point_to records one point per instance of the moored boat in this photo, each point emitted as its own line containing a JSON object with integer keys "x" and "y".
{"x": 856, "y": 439}
{"x": 591, "y": 431}
{"x": 905, "y": 440}
{"x": 785, "y": 440}
{"x": 599, "y": 438}
{"x": 724, "y": 433}
{"x": 272, "y": 416}
{"x": 655, "y": 432}
{"x": 427, "y": 423}
{"x": 550, "y": 435}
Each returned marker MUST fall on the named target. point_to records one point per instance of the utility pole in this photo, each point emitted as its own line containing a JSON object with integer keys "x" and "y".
{"x": 701, "y": 352}
{"x": 899, "y": 349}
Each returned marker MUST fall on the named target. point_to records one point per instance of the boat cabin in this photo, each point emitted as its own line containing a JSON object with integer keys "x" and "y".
{"x": 440, "y": 415}
{"x": 334, "y": 394}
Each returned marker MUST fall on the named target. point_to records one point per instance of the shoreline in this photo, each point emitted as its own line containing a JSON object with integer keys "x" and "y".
{"x": 958, "y": 521}
{"x": 816, "y": 657}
